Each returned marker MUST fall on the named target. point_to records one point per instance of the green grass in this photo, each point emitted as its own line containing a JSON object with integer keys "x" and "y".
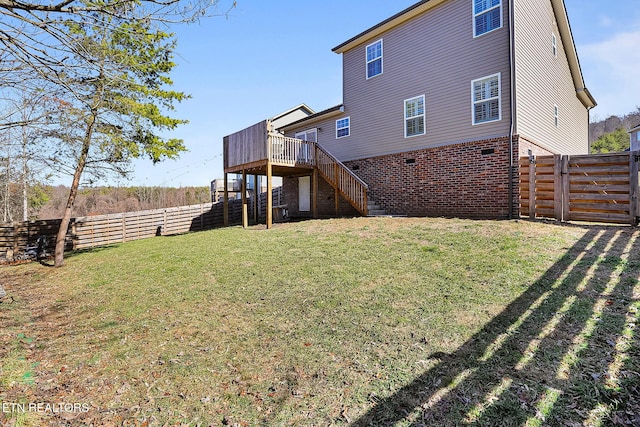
{"x": 369, "y": 321}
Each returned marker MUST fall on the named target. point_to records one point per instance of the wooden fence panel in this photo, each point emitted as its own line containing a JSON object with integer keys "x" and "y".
{"x": 599, "y": 188}
{"x": 102, "y": 230}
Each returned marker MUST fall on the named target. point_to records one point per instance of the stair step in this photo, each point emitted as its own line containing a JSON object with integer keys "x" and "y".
{"x": 375, "y": 209}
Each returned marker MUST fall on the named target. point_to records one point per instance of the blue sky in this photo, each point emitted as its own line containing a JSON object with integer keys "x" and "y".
{"x": 269, "y": 56}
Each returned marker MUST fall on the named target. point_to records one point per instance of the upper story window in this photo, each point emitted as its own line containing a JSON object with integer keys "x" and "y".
{"x": 374, "y": 59}
{"x": 343, "y": 127}
{"x": 485, "y": 93}
{"x": 487, "y": 16}
{"x": 414, "y": 117}
{"x": 554, "y": 45}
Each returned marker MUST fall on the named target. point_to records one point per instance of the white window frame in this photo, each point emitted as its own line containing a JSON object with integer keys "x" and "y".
{"x": 556, "y": 115}
{"x": 554, "y": 45}
{"x": 381, "y": 58}
{"x": 347, "y": 127}
{"x": 423, "y": 115}
{"x": 475, "y": 15}
{"x": 474, "y": 102}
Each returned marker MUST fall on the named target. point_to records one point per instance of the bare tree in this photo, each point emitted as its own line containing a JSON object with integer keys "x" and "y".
{"x": 22, "y": 163}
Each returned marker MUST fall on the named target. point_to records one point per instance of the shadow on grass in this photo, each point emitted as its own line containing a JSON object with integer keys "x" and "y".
{"x": 564, "y": 353}
{"x": 94, "y": 250}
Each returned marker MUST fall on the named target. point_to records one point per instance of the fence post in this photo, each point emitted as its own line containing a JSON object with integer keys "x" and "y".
{"x": 74, "y": 232}
{"x": 634, "y": 213}
{"x": 557, "y": 186}
{"x": 566, "y": 193}
{"x": 164, "y": 223}
{"x": 124, "y": 227}
{"x": 15, "y": 238}
{"x": 532, "y": 187}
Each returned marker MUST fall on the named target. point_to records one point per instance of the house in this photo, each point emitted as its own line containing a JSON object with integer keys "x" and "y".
{"x": 439, "y": 102}
{"x": 634, "y": 135}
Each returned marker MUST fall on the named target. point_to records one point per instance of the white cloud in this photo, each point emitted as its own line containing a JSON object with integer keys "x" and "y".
{"x": 605, "y": 21}
{"x": 610, "y": 69}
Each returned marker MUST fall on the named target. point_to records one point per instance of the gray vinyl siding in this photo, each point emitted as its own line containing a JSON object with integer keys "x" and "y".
{"x": 543, "y": 80}
{"x": 436, "y": 55}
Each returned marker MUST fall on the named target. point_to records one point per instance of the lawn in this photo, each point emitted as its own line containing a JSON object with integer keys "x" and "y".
{"x": 363, "y": 322}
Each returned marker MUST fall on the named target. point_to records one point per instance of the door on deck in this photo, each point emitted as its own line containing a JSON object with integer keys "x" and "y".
{"x": 311, "y": 135}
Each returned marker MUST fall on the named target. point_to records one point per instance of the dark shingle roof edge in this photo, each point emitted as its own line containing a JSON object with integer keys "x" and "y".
{"x": 313, "y": 117}
{"x": 386, "y": 21}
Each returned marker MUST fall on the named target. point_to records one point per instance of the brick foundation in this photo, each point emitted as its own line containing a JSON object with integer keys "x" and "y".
{"x": 469, "y": 180}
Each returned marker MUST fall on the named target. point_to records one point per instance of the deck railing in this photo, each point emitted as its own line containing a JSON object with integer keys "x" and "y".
{"x": 257, "y": 144}
{"x": 343, "y": 179}
{"x": 285, "y": 151}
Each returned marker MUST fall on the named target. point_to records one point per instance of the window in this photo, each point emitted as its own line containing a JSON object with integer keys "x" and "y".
{"x": 556, "y": 115}
{"x": 554, "y": 45}
{"x": 374, "y": 59}
{"x": 487, "y": 16}
{"x": 485, "y": 94}
{"x": 342, "y": 127}
{"x": 414, "y": 117}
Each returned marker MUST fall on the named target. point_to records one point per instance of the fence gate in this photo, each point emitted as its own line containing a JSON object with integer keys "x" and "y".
{"x": 593, "y": 187}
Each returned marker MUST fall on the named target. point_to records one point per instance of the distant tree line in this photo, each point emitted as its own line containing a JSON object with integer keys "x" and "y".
{"x": 611, "y": 134}
{"x": 107, "y": 200}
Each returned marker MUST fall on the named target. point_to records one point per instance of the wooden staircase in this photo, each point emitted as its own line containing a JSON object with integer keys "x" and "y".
{"x": 342, "y": 179}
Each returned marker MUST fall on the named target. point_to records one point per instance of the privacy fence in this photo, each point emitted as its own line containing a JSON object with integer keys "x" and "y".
{"x": 599, "y": 188}
{"x": 102, "y": 230}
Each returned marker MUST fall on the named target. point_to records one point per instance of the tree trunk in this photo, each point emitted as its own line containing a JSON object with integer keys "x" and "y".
{"x": 73, "y": 192}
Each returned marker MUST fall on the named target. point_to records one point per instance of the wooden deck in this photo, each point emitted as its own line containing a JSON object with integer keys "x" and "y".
{"x": 257, "y": 150}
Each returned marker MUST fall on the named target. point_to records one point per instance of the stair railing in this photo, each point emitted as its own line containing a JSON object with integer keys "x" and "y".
{"x": 348, "y": 184}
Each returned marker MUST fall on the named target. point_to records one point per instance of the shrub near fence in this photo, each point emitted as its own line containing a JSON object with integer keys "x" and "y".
{"x": 101, "y": 230}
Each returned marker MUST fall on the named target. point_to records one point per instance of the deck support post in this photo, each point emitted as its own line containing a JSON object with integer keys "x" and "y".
{"x": 336, "y": 196}
{"x": 256, "y": 198}
{"x": 269, "y": 196}
{"x": 315, "y": 193}
{"x": 245, "y": 213}
{"x": 225, "y": 203}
